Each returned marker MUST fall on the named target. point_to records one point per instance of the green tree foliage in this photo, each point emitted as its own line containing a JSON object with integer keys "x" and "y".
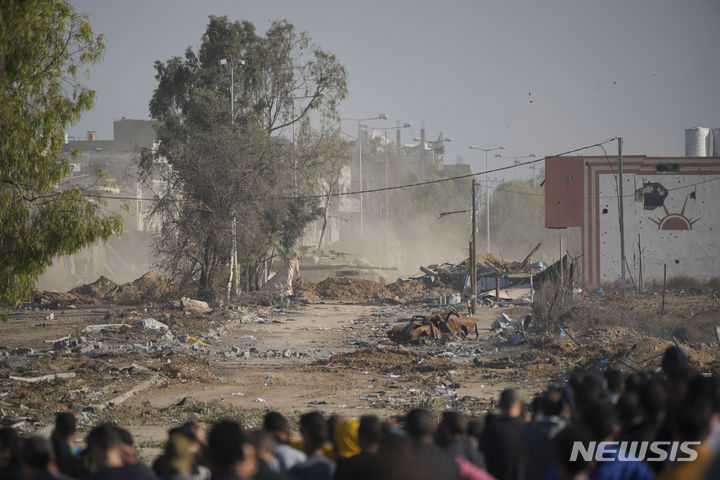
{"x": 217, "y": 165}
{"x": 43, "y": 46}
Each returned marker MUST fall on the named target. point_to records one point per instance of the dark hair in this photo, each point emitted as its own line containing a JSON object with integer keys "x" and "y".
{"x": 9, "y": 439}
{"x": 508, "y": 398}
{"x": 36, "y": 452}
{"x": 615, "y": 380}
{"x": 673, "y": 359}
{"x": 693, "y": 418}
{"x": 225, "y": 443}
{"x": 275, "y": 422}
{"x": 629, "y": 409}
{"x": 312, "y": 419}
{"x": 370, "y": 430}
{"x": 105, "y": 437}
{"x": 600, "y": 419}
{"x": 564, "y": 442}
{"x": 553, "y": 403}
{"x": 125, "y": 436}
{"x": 262, "y": 440}
{"x": 418, "y": 423}
{"x": 455, "y": 422}
{"x": 65, "y": 423}
{"x": 653, "y": 399}
{"x": 186, "y": 430}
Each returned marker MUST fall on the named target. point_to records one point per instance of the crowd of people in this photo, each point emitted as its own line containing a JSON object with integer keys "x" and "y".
{"x": 538, "y": 440}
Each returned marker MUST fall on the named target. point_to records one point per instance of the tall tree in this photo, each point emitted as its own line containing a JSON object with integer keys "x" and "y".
{"x": 44, "y": 45}
{"x": 225, "y": 150}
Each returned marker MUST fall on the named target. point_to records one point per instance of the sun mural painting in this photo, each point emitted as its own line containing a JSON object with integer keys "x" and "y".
{"x": 675, "y": 221}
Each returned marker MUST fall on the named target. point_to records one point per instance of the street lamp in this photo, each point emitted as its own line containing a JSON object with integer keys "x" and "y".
{"x": 487, "y": 188}
{"x": 234, "y": 269}
{"x": 516, "y": 160}
{"x": 387, "y": 175}
{"x": 240, "y": 63}
{"x": 434, "y": 143}
{"x": 381, "y": 116}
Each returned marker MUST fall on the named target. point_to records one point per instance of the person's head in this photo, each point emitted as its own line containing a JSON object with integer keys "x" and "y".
{"x": 629, "y": 410}
{"x": 510, "y": 404}
{"x": 313, "y": 431}
{"x": 106, "y": 446}
{"x": 653, "y": 400}
{"x": 601, "y": 420}
{"x": 419, "y": 425}
{"x": 370, "y": 433}
{"x": 673, "y": 358}
{"x": 345, "y": 434}
{"x": 230, "y": 452}
{"x": 475, "y": 429}
{"x": 692, "y": 419}
{"x": 179, "y": 455}
{"x": 127, "y": 446}
{"x": 554, "y": 404}
{"x": 65, "y": 425}
{"x": 565, "y": 441}
{"x": 615, "y": 381}
{"x": 36, "y": 455}
{"x": 9, "y": 444}
{"x": 277, "y": 425}
{"x": 264, "y": 445}
{"x": 454, "y": 424}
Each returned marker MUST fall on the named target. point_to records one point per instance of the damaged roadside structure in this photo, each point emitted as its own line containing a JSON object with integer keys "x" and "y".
{"x": 671, "y": 213}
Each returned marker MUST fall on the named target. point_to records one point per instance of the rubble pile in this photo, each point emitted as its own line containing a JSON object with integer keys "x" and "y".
{"x": 150, "y": 288}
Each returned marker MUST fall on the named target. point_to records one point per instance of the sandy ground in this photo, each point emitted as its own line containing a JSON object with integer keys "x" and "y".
{"x": 333, "y": 357}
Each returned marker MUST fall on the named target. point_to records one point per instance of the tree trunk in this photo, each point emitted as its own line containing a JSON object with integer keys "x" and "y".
{"x": 324, "y": 224}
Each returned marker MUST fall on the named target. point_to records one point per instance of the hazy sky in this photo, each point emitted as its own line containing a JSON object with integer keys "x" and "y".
{"x": 594, "y": 69}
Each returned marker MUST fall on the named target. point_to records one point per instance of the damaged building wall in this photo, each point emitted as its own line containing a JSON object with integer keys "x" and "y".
{"x": 671, "y": 216}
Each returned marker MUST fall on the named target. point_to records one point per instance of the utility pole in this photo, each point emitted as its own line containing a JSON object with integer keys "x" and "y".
{"x": 362, "y": 220}
{"x": 621, "y": 217}
{"x": 473, "y": 256}
{"x": 487, "y": 202}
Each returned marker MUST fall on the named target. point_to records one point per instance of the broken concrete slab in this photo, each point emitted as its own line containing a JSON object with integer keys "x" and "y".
{"x": 44, "y": 378}
{"x": 106, "y": 328}
{"x": 194, "y": 306}
{"x": 151, "y": 324}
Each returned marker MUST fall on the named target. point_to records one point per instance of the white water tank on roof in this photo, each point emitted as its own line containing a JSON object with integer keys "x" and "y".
{"x": 697, "y": 142}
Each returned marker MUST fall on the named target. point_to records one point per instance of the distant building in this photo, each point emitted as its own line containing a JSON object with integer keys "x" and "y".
{"x": 671, "y": 215}
{"x": 128, "y": 256}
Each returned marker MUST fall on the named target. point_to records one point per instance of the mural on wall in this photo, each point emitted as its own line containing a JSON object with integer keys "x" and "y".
{"x": 675, "y": 221}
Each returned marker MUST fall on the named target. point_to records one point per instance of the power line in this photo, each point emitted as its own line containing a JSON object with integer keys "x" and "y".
{"x": 395, "y": 187}
{"x": 432, "y": 182}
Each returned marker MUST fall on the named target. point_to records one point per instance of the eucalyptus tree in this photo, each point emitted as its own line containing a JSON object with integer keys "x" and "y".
{"x": 230, "y": 118}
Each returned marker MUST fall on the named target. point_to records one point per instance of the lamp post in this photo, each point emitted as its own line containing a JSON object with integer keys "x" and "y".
{"x": 382, "y": 116}
{"x": 434, "y": 143}
{"x": 234, "y": 269}
{"x": 240, "y": 63}
{"x": 516, "y": 160}
{"x": 487, "y": 187}
{"x": 387, "y": 170}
